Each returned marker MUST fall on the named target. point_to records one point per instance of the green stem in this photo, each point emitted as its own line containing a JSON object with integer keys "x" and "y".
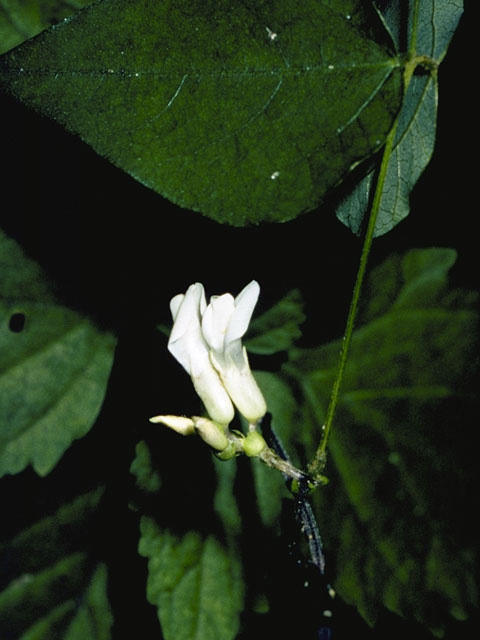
{"x": 413, "y": 60}
{"x": 317, "y": 465}
{"x": 412, "y": 45}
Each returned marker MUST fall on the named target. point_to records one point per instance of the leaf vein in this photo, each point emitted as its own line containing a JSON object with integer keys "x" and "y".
{"x": 54, "y": 402}
{"x": 365, "y": 104}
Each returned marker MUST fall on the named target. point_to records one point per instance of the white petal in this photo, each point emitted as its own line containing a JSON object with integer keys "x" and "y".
{"x": 184, "y": 309}
{"x": 216, "y": 319}
{"x": 186, "y": 342}
{"x": 189, "y": 347}
{"x": 244, "y": 391}
{"x": 175, "y": 303}
{"x": 191, "y": 351}
{"x": 244, "y": 305}
{"x": 214, "y": 395}
{"x": 203, "y": 301}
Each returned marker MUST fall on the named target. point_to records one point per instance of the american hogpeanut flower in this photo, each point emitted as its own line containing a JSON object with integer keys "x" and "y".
{"x": 189, "y": 347}
{"x": 207, "y": 341}
{"x": 224, "y": 323}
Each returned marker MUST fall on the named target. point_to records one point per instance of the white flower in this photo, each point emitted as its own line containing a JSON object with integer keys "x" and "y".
{"x": 207, "y": 341}
{"x": 188, "y": 346}
{"x": 224, "y": 323}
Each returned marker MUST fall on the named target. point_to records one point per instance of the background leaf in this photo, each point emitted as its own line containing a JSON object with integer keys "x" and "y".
{"x": 54, "y": 368}
{"x": 192, "y": 581}
{"x": 69, "y": 200}
{"x": 401, "y": 464}
{"x": 194, "y": 570}
{"x": 23, "y": 19}
{"x": 415, "y": 138}
{"x": 277, "y": 328}
{"x": 246, "y": 114}
{"x": 51, "y": 588}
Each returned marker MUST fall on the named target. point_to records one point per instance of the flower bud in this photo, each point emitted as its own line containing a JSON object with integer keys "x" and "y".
{"x": 181, "y": 424}
{"x": 211, "y": 433}
{"x": 253, "y": 444}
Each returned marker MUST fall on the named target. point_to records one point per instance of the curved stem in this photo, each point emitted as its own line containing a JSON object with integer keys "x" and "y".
{"x": 413, "y": 60}
{"x": 317, "y": 465}
{"x": 272, "y": 459}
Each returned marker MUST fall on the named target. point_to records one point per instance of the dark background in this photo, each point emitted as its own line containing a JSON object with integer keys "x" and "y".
{"x": 119, "y": 252}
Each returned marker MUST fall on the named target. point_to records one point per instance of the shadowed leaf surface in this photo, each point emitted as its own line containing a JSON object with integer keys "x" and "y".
{"x": 278, "y": 328}
{"x": 51, "y": 588}
{"x": 401, "y": 532}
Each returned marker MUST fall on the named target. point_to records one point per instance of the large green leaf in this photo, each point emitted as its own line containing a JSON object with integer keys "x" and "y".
{"x": 55, "y": 591}
{"x": 415, "y": 137}
{"x": 23, "y": 19}
{"x": 401, "y": 465}
{"x": 54, "y": 367}
{"x": 244, "y": 111}
{"x": 193, "y": 581}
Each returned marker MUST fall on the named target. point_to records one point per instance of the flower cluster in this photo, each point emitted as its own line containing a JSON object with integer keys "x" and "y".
{"x": 207, "y": 341}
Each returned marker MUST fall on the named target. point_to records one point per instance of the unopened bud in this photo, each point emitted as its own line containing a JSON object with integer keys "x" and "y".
{"x": 180, "y": 424}
{"x": 211, "y": 432}
{"x": 253, "y": 444}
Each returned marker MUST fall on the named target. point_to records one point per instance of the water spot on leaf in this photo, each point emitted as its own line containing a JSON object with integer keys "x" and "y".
{"x": 271, "y": 34}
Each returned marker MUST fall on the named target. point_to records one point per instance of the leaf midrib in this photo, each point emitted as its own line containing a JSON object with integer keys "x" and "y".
{"x": 43, "y": 348}
{"x": 199, "y": 74}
